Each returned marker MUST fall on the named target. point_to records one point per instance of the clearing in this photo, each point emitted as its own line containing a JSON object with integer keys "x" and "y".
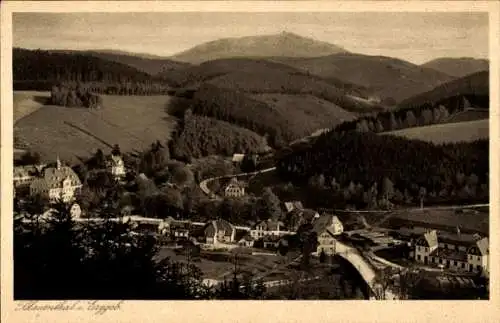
{"x": 27, "y": 102}
{"x": 449, "y": 132}
{"x": 133, "y": 122}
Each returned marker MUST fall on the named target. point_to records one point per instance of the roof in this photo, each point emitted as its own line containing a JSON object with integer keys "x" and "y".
{"x": 323, "y": 222}
{"x": 271, "y": 225}
{"x": 218, "y": 225}
{"x": 431, "y": 238}
{"x": 291, "y": 205}
{"x": 115, "y": 159}
{"x": 54, "y": 176}
{"x": 483, "y": 246}
{"x": 238, "y": 158}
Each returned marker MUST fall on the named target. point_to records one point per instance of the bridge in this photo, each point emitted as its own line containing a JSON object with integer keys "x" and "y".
{"x": 364, "y": 267}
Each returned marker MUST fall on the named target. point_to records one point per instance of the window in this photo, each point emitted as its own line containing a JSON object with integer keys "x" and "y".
{"x": 463, "y": 264}
{"x": 478, "y": 258}
{"x": 418, "y": 257}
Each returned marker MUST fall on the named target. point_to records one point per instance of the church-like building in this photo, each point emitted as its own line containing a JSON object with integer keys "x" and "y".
{"x": 57, "y": 183}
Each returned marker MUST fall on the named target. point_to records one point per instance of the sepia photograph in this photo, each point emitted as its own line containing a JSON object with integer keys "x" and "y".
{"x": 263, "y": 156}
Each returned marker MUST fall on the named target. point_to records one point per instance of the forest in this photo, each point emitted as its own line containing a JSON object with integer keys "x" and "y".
{"x": 415, "y": 116}
{"x": 202, "y": 136}
{"x": 39, "y": 70}
{"x": 365, "y": 168}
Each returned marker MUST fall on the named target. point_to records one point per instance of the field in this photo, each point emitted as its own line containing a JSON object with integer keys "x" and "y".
{"x": 27, "y": 102}
{"x": 310, "y": 107}
{"x": 469, "y": 115}
{"x": 448, "y": 132}
{"x": 478, "y": 222}
{"x": 133, "y": 122}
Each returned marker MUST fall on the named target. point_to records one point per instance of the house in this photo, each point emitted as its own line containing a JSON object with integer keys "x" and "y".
{"x": 116, "y": 166}
{"x": 238, "y": 158}
{"x": 453, "y": 251}
{"x": 179, "y": 230}
{"x": 327, "y": 228}
{"x": 234, "y": 188}
{"x": 293, "y": 205}
{"x": 246, "y": 241}
{"x": 269, "y": 228}
{"x": 57, "y": 183}
{"x": 22, "y": 176}
{"x": 219, "y": 231}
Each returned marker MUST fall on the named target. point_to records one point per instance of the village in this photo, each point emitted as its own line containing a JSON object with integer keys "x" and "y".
{"x": 269, "y": 247}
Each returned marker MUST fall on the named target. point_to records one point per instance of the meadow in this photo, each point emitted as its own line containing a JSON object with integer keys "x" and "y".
{"x": 133, "y": 122}
{"x": 449, "y": 132}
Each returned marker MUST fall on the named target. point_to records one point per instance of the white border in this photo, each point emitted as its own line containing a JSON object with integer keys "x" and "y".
{"x": 247, "y": 311}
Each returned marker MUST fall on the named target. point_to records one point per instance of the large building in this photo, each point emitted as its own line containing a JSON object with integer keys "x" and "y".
{"x": 327, "y": 228}
{"x": 220, "y": 231}
{"x": 57, "y": 183}
{"x": 269, "y": 228}
{"x": 234, "y": 188}
{"x": 453, "y": 251}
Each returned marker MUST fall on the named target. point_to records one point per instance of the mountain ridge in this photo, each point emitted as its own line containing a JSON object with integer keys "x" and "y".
{"x": 281, "y": 44}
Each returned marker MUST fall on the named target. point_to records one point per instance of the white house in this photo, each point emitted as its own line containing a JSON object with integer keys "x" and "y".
{"x": 59, "y": 183}
{"x": 457, "y": 252}
{"x": 269, "y": 228}
{"x": 116, "y": 166}
{"x": 220, "y": 231}
{"x": 327, "y": 228}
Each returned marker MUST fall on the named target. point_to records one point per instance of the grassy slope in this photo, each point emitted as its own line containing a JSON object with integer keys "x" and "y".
{"x": 389, "y": 77}
{"x": 27, "y": 102}
{"x": 448, "y": 132}
{"x": 310, "y": 108}
{"x": 131, "y": 122}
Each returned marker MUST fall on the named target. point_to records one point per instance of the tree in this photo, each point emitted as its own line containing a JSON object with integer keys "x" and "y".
{"x": 271, "y": 204}
{"x": 182, "y": 176}
{"x": 422, "y": 194}
{"x": 387, "y": 188}
{"x": 411, "y": 121}
{"x": 116, "y": 150}
{"x": 394, "y": 124}
{"x": 443, "y": 113}
{"x": 378, "y": 126}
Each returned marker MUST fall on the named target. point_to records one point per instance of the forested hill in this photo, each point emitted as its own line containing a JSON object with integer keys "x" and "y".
{"x": 448, "y": 172}
{"x": 475, "y": 87}
{"x": 39, "y": 70}
{"x": 147, "y": 64}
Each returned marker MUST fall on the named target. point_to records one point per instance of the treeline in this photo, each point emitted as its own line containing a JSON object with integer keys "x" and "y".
{"x": 202, "y": 136}
{"x": 417, "y": 116}
{"x": 361, "y": 167}
{"x": 79, "y": 96}
{"x": 40, "y": 70}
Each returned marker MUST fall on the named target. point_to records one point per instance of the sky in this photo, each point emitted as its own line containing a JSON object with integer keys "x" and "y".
{"x": 415, "y": 37}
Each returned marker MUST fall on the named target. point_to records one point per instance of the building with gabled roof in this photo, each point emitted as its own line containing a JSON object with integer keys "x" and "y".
{"x": 234, "y": 188}
{"x": 269, "y": 228}
{"x": 327, "y": 227}
{"x": 293, "y": 205}
{"x": 116, "y": 166}
{"x": 56, "y": 183}
{"x": 219, "y": 231}
{"x": 458, "y": 253}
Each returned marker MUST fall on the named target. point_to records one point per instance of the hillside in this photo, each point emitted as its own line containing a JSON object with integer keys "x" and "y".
{"x": 388, "y": 77}
{"x": 40, "y": 65}
{"x": 283, "y": 44}
{"x": 282, "y": 117}
{"x": 130, "y": 121}
{"x": 203, "y": 136}
{"x": 474, "y": 87}
{"x": 458, "y": 67}
{"x": 149, "y": 64}
{"x": 466, "y": 131}
{"x": 452, "y": 172}
{"x": 27, "y": 102}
